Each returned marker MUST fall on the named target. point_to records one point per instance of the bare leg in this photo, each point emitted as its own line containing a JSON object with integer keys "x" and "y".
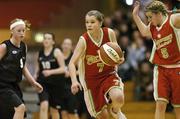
{"x": 117, "y": 98}
{"x": 64, "y": 114}
{"x": 177, "y": 111}
{"x": 54, "y": 113}
{"x": 73, "y": 116}
{"x": 44, "y": 110}
{"x": 104, "y": 114}
{"x": 160, "y": 109}
{"x": 19, "y": 112}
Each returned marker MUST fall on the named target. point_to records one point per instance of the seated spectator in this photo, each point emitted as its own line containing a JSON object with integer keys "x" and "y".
{"x": 144, "y": 82}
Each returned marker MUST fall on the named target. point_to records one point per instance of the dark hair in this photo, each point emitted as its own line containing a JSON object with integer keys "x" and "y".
{"x": 99, "y": 16}
{"x": 156, "y": 7}
{"x": 52, "y": 34}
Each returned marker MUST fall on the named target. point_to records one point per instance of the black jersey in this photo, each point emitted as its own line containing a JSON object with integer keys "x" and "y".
{"x": 68, "y": 80}
{"x": 68, "y": 59}
{"x": 12, "y": 63}
{"x": 47, "y": 63}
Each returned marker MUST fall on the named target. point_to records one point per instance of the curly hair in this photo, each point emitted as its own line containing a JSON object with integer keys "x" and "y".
{"x": 156, "y": 7}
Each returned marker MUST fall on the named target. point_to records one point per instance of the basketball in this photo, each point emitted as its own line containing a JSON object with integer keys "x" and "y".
{"x": 110, "y": 53}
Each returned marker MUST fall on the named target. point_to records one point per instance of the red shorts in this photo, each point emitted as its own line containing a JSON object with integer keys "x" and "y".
{"x": 167, "y": 85}
{"x": 96, "y": 94}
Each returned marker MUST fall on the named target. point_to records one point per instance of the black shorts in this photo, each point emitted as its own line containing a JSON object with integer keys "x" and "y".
{"x": 9, "y": 98}
{"x": 52, "y": 94}
{"x": 81, "y": 103}
{"x": 69, "y": 103}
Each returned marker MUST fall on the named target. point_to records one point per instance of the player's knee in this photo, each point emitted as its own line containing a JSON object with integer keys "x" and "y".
{"x": 20, "y": 108}
{"x": 64, "y": 114}
{"x": 44, "y": 106}
{"x": 53, "y": 110}
{"x": 118, "y": 99}
{"x": 117, "y": 96}
{"x": 161, "y": 106}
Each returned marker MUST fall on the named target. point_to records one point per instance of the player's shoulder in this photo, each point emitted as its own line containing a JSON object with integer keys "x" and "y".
{"x": 82, "y": 40}
{"x": 3, "y": 46}
{"x": 174, "y": 16}
{"x": 174, "y": 20}
{"x": 84, "y": 36}
{"x": 6, "y": 43}
{"x": 57, "y": 50}
{"x": 110, "y": 31}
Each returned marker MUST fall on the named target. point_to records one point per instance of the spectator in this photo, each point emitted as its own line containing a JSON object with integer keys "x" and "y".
{"x": 143, "y": 82}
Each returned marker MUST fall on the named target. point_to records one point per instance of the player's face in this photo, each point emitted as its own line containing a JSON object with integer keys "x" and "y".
{"x": 92, "y": 24}
{"x": 18, "y": 32}
{"x": 48, "y": 40}
{"x": 153, "y": 18}
{"x": 67, "y": 45}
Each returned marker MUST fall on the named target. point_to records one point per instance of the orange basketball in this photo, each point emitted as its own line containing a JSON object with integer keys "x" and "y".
{"x": 110, "y": 53}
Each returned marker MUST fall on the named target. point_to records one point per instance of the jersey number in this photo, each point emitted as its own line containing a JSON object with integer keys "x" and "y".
{"x": 46, "y": 65}
{"x": 164, "y": 53}
{"x": 100, "y": 66}
{"x": 21, "y": 63}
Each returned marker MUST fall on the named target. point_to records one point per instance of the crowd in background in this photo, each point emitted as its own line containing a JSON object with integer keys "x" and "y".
{"x": 136, "y": 67}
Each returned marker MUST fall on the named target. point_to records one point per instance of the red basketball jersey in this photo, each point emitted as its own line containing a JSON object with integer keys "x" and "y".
{"x": 166, "y": 48}
{"x": 94, "y": 68}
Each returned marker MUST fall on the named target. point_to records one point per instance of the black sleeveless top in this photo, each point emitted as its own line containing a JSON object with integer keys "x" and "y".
{"x": 47, "y": 63}
{"x": 12, "y": 63}
{"x": 68, "y": 80}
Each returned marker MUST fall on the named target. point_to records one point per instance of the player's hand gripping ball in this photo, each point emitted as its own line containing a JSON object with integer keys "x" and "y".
{"x": 111, "y": 54}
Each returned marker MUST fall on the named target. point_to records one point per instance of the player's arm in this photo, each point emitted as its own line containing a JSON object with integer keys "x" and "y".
{"x": 31, "y": 80}
{"x": 36, "y": 67}
{"x": 2, "y": 50}
{"x": 113, "y": 38}
{"x": 176, "y": 20}
{"x": 112, "y": 35}
{"x": 79, "y": 50}
{"x": 60, "y": 59}
{"x": 144, "y": 29}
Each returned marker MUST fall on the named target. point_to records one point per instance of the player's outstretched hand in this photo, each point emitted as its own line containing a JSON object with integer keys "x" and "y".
{"x": 75, "y": 87}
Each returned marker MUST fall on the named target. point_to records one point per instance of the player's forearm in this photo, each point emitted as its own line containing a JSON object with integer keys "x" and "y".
{"x": 60, "y": 70}
{"x": 28, "y": 76}
{"x": 141, "y": 26}
{"x": 72, "y": 71}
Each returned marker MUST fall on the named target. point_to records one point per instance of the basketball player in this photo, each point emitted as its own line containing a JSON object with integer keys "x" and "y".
{"x": 69, "y": 101}
{"x": 51, "y": 65}
{"x": 12, "y": 66}
{"x": 103, "y": 89}
{"x": 163, "y": 28}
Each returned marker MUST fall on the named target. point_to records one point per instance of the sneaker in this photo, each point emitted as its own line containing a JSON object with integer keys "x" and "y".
{"x": 122, "y": 116}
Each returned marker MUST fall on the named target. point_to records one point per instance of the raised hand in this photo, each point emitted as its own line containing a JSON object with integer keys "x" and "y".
{"x": 136, "y": 8}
